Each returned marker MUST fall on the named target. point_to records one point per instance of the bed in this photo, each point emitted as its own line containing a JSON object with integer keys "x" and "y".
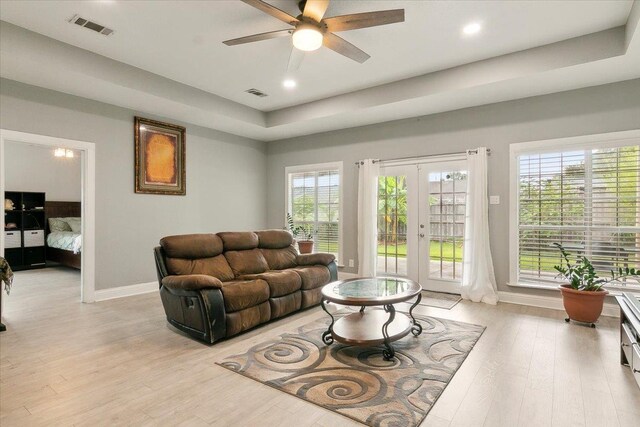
{"x": 63, "y": 247}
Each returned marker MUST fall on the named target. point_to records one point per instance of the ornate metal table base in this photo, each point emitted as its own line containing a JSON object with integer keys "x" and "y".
{"x": 416, "y": 329}
{"x": 327, "y": 336}
{"x": 388, "y": 352}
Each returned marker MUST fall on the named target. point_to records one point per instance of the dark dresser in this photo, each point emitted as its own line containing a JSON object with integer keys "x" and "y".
{"x": 630, "y": 332}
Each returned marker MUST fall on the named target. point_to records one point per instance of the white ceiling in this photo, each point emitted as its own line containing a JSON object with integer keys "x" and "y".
{"x": 182, "y": 41}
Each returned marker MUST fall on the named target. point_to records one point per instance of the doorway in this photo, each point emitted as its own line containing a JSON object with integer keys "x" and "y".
{"x": 87, "y": 152}
{"x": 421, "y": 213}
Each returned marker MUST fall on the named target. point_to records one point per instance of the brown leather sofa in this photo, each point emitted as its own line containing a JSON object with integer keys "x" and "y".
{"x": 214, "y": 286}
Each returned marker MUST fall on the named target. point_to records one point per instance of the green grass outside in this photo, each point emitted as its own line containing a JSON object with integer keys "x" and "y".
{"x": 527, "y": 262}
{"x": 434, "y": 250}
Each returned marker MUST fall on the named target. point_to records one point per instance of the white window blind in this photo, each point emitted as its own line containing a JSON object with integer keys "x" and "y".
{"x": 314, "y": 203}
{"x": 586, "y": 200}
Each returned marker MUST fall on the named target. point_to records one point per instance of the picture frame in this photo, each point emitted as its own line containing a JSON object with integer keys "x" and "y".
{"x": 160, "y": 157}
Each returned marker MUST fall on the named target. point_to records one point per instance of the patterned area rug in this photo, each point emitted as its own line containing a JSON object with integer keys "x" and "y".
{"x": 356, "y": 381}
{"x": 439, "y": 299}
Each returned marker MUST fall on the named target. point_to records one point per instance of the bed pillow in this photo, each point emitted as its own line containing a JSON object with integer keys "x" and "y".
{"x": 75, "y": 224}
{"x": 59, "y": 224}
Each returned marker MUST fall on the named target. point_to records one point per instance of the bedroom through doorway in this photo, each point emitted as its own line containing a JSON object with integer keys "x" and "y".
{"x": 48, "y": 238}
{"x": 43, "y": 219}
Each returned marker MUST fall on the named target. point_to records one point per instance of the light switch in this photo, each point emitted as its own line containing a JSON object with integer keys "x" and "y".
{"x": 494, "y": 200}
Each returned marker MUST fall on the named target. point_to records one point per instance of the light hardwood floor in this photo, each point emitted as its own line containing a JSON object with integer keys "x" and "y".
{"x": 118, "y": 363}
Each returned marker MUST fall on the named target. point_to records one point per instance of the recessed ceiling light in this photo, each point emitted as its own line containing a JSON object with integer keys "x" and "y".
{"x": 289, "y": 83}
{"x": 471, "y": 29}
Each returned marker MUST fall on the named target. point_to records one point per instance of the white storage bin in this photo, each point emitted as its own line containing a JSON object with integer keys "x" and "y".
{"x": 12, "y": 239}
{"x": 33, "y": 238}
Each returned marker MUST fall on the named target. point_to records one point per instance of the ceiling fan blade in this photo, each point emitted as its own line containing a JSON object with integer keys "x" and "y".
{"x": 273, "y": 11}
{"x": 295, "y": 59}
{"x": 315, "y": 9}
{"x": 364, "y": 20}
{"x": 345, "y": 48}
{"x": 258, "y": 37}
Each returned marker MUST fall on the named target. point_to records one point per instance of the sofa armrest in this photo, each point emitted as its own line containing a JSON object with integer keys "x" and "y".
{"x": 315, "y": 259}
{"x": 191, "y": 282}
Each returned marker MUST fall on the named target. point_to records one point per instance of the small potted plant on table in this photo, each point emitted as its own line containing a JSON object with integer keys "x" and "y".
{"x": 583, "y": 296}
{"x": 303, "y": 236}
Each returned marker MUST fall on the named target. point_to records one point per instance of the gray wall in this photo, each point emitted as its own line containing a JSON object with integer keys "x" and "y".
{"x": 226, "y": 189}
{"x": 607, "y": 108}
{"x": 226, "y": 186}
{"x": 35, "y": 168}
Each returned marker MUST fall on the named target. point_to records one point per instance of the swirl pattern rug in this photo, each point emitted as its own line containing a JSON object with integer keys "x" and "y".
{"x": 356, "y": 381}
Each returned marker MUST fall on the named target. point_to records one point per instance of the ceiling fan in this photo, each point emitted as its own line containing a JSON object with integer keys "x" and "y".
{"x": 311, "y": 31}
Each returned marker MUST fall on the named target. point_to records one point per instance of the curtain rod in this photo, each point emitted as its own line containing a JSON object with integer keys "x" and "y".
{"x": 475, "y": 150}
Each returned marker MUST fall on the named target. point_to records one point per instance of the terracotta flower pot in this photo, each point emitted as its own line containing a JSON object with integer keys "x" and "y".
{"x": 583, "y": 306}
{"x": 305, "y": 246}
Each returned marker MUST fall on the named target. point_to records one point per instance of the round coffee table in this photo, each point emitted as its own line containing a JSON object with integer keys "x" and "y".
{"x": 375, "y": 326}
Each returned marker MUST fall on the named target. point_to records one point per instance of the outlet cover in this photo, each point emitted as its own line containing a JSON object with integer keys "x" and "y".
{"x": 494, "y": 200}
{"x": 352, "y": 263}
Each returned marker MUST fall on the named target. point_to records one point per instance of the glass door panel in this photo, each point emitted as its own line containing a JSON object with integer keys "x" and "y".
{"x": 396, "y": 221}
{"x": 392, "y": 225}
{"x": 443, "y": 192}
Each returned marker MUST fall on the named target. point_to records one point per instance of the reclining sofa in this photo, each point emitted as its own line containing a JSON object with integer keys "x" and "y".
{"x": 215, "y": 286}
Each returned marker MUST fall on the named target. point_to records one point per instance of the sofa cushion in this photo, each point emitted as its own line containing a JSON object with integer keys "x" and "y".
{"x": 239, "y": 240}
{"x": 315, "y": 259}
{"x": 313, "y": 276}
{"x": 192, "y": 246}
{"x": 246, "y": 262}
{"x": 310, "y": 297}
{"x": 286, "y": 304}
{"x": 241, "y": 294}
{"x": 191, "y": 282}
{"x": 279, "y": 259}
{"x": 216, "y": 266}
{"x": 242, "y": 320}
{"x": 274, "y": 239}
{"x": 280, "y": 283}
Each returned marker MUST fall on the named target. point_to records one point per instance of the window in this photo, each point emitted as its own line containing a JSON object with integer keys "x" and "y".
{"x": 585, "y": 198}
{"x": 314, "y": 202}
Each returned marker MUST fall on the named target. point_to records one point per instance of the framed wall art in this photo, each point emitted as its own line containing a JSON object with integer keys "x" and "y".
{"x": 160, "y": 166}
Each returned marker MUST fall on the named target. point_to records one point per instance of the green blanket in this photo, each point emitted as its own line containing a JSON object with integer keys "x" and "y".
{"x": 6, "y": 275}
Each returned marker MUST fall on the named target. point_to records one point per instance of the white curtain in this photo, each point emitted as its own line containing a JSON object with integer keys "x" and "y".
{"x": 478, "y": 278}
{"x": 367, "y": 217}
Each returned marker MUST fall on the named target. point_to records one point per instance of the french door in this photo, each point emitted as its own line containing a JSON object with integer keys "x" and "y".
{"x": 421, "y": 212}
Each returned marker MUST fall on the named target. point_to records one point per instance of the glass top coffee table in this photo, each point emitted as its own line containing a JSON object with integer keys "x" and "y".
{"x": 377, "y": 325}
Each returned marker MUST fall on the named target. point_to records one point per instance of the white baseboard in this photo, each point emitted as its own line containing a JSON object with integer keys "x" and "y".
{"x": 126, "y": 291}
{"x": 610, "y": 310}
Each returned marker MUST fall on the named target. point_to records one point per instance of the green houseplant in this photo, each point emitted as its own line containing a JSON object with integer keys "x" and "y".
{"x": 583, "y": 295}
{"x": 303, "y": 235}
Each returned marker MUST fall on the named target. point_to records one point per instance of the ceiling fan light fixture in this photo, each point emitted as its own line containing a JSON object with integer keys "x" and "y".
{"x": 307, "y": 38}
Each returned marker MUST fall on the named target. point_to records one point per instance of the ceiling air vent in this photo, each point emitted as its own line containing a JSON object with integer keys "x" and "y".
{"x": 256, "y": 92}
{"x": 78, "y": 20}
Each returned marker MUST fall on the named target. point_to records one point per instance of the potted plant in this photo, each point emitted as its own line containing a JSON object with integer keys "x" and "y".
{"x": 583, "y": 296}
{"x": 303, "y": 236}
